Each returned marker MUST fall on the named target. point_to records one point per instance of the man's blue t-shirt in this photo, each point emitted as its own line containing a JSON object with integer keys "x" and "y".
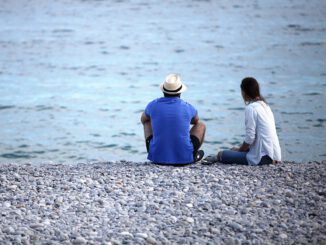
{"x": 170, "y": 119}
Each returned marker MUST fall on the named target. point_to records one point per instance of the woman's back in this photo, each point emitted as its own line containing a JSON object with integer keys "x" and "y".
{"x": 260, "y": 129}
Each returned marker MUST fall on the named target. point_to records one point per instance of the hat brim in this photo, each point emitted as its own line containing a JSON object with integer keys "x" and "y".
{"x": 184, "y": 88}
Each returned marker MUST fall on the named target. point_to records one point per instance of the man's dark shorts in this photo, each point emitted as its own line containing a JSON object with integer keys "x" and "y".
{"x": 195, "y": 142}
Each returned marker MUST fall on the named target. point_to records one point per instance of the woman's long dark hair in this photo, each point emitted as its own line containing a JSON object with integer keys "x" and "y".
{"x": 250, "y": 87}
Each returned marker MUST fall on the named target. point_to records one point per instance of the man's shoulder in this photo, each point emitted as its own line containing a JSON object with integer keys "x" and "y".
{"x": 152, "y": 105}
{"x": 162, "y": 100}
{"x": 185, "y": 103}
{"x": 154, "y": 101}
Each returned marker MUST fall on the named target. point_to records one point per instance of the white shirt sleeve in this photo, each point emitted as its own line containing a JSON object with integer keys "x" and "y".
{"x": 250, "y": 122}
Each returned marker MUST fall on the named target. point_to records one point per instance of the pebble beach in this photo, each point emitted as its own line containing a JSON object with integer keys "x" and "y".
{"x": 140, "y": 203}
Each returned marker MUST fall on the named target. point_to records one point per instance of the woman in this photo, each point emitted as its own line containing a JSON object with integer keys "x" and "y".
{"x": 261, "y": 144}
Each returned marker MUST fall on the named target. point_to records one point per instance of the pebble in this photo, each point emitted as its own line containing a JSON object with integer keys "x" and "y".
{"x": 151, "y": 240}
{"x": 17, "y": 177}
{"x": 140, "y": 203}
{"x": 236, "y": 226}
{"x": 283, "y": 236}
{"x": 190, "y": 220}
{"x": 115, "y": 241}
{"x": 80, "y": 240}
{"x": 174, "y": 219}
{"x": 12, "y": 187}
{"x": 126, "y": 233}
{"x": 6, "y": 204}
{"x": 9, "y": 230}
{"x": 214, "y": 231}
{"x": 142, "y": 235}
{"x": 36, "y": 225}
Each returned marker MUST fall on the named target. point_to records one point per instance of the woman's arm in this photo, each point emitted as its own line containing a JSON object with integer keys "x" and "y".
{"x": 250, "y": 122}
{"x": 244, "y": 147}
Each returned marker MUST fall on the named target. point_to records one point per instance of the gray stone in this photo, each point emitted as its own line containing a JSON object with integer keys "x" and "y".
{"x": 115, "y": 241}
{"x": 155, "y": 204}
{"x": 235, "y": 226}
{"x": 151, "y": 240}
{"x": 142, "y": 235}
{"x": 80, "y": 240}
{"x": 9, "y": 230}
{"x": 190, "y": 220}
{"x": 126, "y": 233}
{"x": 283, "y": 236}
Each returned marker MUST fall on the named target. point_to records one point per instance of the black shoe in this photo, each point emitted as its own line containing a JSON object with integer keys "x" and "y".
{"x": 210, "y": 160}
{"x": 199, "y": 155}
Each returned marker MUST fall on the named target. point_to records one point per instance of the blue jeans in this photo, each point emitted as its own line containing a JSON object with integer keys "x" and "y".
{"x": 229, "y": 157}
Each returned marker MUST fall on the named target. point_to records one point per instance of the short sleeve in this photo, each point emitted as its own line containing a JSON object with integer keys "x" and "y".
{"x": 250, "y": 122}
{"x": 193, "y": 111}
{"x": 148, "y": 109}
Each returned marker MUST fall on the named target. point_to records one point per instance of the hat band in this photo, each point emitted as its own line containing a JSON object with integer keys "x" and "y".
{"x": 172, "y": 91}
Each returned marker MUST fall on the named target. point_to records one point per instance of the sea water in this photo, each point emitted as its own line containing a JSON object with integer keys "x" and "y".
{"x": 75, "y": 76}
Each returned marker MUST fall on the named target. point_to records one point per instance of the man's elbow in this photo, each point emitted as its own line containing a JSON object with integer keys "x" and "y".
{"x": 143, "y": 118}
{"x": 195, "y": 120}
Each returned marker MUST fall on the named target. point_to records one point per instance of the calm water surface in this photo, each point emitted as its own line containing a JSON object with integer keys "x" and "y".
{"x": 76, "y": 75}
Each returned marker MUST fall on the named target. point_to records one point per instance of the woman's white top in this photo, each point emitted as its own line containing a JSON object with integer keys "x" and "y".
{"x": 261, "y": 133}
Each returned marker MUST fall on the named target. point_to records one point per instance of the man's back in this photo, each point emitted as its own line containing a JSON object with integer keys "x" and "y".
{"x": 170, "y": 118}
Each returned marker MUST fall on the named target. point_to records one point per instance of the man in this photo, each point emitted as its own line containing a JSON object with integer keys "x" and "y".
{"x": 166, "y": 126}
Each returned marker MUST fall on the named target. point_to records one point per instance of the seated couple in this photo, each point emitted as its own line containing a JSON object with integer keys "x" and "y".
{"x": 168, "y": 140}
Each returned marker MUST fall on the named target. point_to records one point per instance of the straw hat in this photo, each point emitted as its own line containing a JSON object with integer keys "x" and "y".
{"x": 173, "y": 85}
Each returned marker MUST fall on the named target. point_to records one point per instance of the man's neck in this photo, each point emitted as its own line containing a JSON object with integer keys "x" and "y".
{"x": 172, "y": 96}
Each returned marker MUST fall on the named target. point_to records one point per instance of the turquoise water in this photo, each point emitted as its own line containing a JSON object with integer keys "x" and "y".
{"x": 76, "y": 75}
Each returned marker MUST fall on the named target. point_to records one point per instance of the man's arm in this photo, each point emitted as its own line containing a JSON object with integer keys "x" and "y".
{"x": 144, "y": 118}
{"x": 194, "y": 120}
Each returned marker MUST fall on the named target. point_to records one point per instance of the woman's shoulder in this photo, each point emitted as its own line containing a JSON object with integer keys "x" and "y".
{"x": 257, "y": 107}
{"x": 257, "y": 104}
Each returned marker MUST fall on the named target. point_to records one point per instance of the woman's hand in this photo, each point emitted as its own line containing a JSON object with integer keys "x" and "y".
{"x": 244, "y": 147}
{"x": 235, "y": 149}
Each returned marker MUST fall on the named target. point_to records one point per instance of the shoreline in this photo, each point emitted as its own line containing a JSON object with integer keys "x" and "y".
{"x": 138, "y": 202}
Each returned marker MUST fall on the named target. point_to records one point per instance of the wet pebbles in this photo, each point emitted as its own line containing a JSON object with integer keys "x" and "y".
{"x": 140, "y": 203}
